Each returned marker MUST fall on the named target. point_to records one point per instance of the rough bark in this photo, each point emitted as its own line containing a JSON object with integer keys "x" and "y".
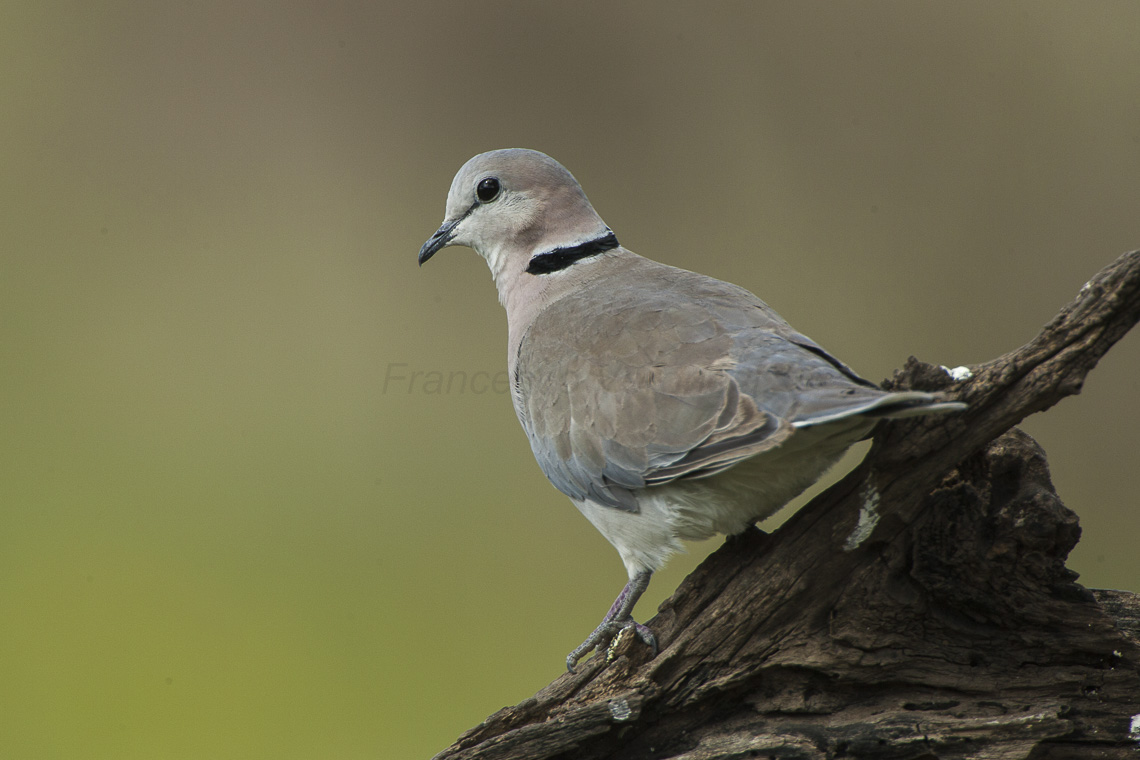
{"x": 920, "y": 608}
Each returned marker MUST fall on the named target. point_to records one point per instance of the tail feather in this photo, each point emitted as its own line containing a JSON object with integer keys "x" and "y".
{"x": 890, "y": 406}
{"x": 915, "y": 405}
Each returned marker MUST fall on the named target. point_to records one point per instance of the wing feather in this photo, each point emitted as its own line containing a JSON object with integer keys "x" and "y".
{"x": 684, "y": 377}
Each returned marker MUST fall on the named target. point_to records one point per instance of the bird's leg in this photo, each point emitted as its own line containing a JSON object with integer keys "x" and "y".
{"x": 616, "y": 620}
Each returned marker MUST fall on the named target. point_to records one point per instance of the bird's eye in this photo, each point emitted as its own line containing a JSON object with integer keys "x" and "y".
{"x": 487, "y": 190}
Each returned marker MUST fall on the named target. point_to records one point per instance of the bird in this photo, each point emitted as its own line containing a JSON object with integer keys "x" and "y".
{"x": 666, "y": 404}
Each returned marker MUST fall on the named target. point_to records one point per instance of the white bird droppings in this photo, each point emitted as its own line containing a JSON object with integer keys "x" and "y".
{"x": 868, "y": 519}
{"x": 619, "y": 708}
{"x": 958, "y": 373}
{"x": 1134, "y": 729}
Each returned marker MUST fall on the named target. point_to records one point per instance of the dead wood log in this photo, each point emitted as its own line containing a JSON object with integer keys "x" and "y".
{"x": 920, "y": 608}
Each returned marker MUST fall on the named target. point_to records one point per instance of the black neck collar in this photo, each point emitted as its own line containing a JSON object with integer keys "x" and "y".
{"x": 561, "y": 258}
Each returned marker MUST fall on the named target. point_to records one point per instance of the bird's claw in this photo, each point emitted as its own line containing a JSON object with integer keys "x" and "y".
{"x": 606, "y": 635}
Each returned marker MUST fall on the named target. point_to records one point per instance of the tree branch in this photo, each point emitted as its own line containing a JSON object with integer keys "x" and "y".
{"x": 920, "y": 607}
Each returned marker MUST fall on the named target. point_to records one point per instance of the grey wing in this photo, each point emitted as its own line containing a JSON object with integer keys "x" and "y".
{"x": 632, "y": 397}
{"x": 669, "y": 385}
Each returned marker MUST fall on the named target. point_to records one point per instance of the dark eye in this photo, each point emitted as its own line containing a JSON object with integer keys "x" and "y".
{"x": 488, "y": 190}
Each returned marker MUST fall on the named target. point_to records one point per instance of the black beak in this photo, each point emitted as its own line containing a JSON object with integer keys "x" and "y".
{"x": 442, "y": 237}
{"x": 439, "y": 240}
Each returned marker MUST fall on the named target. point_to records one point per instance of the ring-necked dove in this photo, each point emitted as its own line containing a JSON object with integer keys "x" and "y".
{"x": 667, "y": 405}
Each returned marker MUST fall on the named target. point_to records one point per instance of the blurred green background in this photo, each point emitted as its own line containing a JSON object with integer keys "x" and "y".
{"x": 229, "y": 529}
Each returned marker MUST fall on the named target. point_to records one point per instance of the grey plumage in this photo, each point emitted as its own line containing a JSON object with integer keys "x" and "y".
{"x": 666, "y": 404}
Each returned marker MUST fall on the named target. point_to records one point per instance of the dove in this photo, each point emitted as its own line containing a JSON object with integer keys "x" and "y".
{"x": 667, "y": 405}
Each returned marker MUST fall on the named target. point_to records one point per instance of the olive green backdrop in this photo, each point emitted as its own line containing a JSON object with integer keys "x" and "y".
{"x": 235, "y": 524}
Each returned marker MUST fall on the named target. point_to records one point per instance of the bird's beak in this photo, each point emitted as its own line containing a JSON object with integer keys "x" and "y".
{"x": 441, "y": 239}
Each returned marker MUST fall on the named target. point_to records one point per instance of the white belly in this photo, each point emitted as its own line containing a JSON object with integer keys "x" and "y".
{"x": 697, "y": 508}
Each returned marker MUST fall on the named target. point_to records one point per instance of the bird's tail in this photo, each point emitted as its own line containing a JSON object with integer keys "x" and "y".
{"x": 886, "y": 405}
{"x": 913, "y": 404}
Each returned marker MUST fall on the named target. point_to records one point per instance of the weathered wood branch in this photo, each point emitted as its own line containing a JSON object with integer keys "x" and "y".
{"x": 920, "y": 608}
